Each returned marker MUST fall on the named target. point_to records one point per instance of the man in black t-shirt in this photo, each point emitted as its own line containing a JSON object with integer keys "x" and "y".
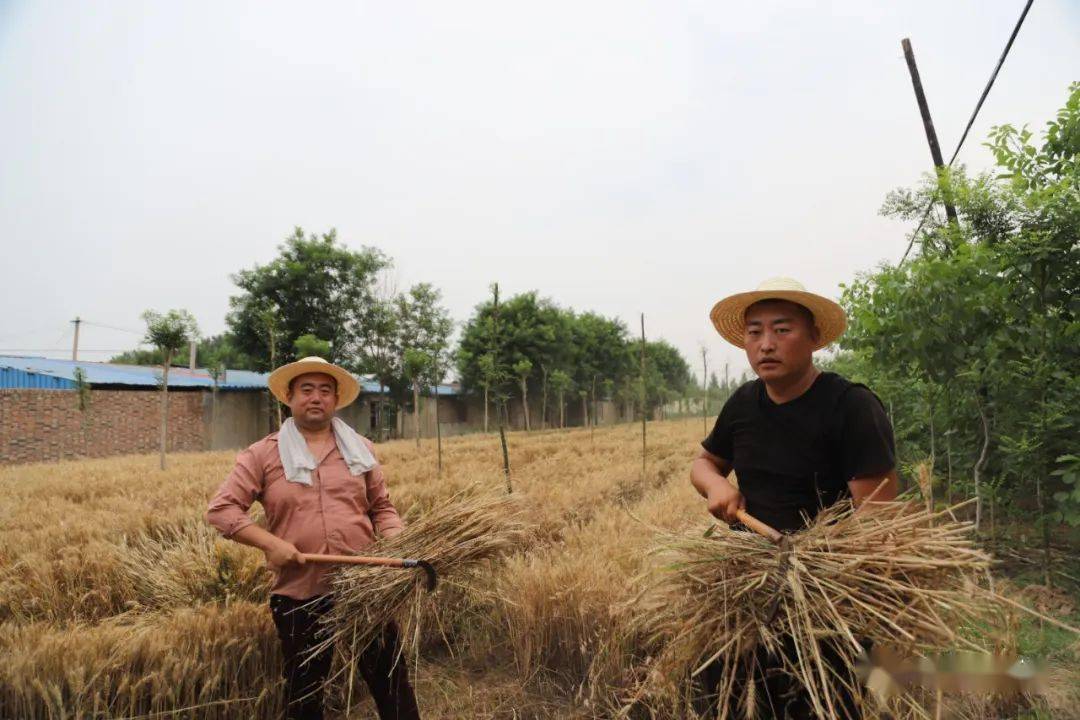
{"x": 797, "y": 438}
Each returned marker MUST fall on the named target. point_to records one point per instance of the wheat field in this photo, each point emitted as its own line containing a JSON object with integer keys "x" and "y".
{"x": 116, "y": 601}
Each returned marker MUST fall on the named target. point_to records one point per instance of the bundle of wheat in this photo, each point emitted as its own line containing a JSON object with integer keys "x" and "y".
{"x": 460, "y": 539}
{"x": 892, "y": 574}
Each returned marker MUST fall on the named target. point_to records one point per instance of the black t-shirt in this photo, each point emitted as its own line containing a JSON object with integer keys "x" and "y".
{"x": 797, "y": 457}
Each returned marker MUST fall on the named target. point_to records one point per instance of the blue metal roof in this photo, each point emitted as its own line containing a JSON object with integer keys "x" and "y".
{"x": 15, "y": 378}
{"x": 17, "y": 371}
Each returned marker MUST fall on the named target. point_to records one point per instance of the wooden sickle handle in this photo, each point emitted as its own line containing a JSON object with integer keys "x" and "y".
{"x": 759, "y": 527}
{"x": 429, "y": 570}
{"x": 352, "y": 560}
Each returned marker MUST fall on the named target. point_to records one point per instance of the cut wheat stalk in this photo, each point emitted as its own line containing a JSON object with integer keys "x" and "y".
{"x": 460, "y": 538}
{"x": 893, "y": 574}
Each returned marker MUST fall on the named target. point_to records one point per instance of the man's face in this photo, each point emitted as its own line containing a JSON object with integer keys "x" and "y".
{"x": 779, "y": 338}
{"x": 312, "y": 399}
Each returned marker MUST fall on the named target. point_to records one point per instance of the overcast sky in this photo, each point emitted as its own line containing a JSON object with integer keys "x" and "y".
{"x": 618, "y": 157}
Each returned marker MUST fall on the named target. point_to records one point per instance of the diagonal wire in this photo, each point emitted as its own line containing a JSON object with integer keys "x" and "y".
{"x": 971, "y": 120}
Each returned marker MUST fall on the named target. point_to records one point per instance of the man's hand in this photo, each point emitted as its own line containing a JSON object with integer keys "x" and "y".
{"x": 723, "y": 501}
{"x": 708, "y": 475}
{"x": 282, "y": 553}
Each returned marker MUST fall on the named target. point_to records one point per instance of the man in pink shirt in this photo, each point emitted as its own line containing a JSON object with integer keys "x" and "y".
{"x": 323, "y": 492}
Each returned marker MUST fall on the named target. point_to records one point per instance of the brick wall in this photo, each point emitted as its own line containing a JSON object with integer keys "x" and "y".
{"x": 38, "y": 425}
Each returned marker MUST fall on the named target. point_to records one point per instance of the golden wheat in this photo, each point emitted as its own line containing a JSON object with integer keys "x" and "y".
{"x": 116, "y": 601}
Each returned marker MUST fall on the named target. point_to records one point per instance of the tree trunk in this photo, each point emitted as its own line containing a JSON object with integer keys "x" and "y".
{"x": 486, "y": 404}
{"x": 543, "y": 397}
{"x": 273, "y": 366}
{"x": 381, "y": 409}
{"x": 976, "y": 472}
{"x": 525, "y": 402}
{"x": 416, "y": 410}
{"x": 592, "y": 436}
{"x": 505, "y": 449}
{"x": 584, "y": 411}
{"x": 167, "y": 358}
{"x": 1045, "y": 529}
{"x": 644, "y": 401}
{"x": 438, "y": 430}
{"x": 993, "y": 526}
{"x": 948, "y": 469}
{"x": 933, "y": 453}
{"x": 213, "y": 415}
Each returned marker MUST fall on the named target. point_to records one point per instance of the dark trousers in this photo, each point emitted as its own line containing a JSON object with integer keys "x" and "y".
{"x": 778, "y": 695}
{"x": 297, "y": 623}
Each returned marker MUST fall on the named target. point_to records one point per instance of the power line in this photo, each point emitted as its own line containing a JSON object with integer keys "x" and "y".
{"x": 971, "y": 120}
{"x": 111, "y": 327}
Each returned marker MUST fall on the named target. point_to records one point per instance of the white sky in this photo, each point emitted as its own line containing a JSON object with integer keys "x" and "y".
{"x": 619, "y": 157}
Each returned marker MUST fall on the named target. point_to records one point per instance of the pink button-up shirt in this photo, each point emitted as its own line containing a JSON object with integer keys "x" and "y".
{"x": 338, "y": 514}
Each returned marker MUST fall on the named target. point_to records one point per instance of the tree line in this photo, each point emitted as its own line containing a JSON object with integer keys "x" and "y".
{"x": 973, "y": 343}
{"x": 320, "y": 297}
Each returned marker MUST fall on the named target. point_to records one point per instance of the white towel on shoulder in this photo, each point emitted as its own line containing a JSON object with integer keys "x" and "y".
{"x": 298, "y": 461}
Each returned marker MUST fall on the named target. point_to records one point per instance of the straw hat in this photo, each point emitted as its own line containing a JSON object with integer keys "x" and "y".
{"x": 729, "y": 315}
{"x": 347, "y": 386}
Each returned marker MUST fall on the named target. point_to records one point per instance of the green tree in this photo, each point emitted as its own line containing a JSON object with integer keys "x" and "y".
{"x": 981, "y": 326}
{"x": 561, "y": 382}
{"x": 308, "y": 346}
{"x": 316, "y": 285}
{"x": 423, "y": 333}
{"x": 529, "y": 328}
{"x": 214, "y": 350}
{"x": 522, "y": 369}
{"x": 169, "y": 333}
{"x": 417, "y": 367}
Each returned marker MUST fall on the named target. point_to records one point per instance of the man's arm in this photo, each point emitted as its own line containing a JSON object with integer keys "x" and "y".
{"x": 279, "y": 553}
{"x": 708, "y": 475}
{"x": 384, "y": 516}
{"x": 869, "y": 459}
{"x": 228, "y": 513}
{"x": 875, "y": 489}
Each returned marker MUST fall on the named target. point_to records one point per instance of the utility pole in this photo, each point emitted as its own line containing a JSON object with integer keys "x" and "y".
{"x": 438, "y": 427}
{"x": 705, "y": 387}
{"x": 928, "y": 124}
{"x": 644, "y": 408}
{"x": 192, "y": 354}
{"x": 75, "y": 342}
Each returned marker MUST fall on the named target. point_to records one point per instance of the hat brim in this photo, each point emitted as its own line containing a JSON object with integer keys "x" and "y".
{"x": 348, "y": 389}
{"x": 729, "y": 315}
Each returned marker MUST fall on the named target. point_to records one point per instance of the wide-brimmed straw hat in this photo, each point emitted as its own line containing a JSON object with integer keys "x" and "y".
{"x": 729, "y": 315}
{"x": 347, "y": 386}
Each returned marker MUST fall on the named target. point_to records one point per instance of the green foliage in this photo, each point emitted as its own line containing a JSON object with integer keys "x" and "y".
{"x": 82, "y": 390}
{"x": 423, "y": 328}
{"x": 974, "y": 341}
{"x": 560, "y": 381}
{"x": 416, "y": 365}
{"x": 170, "y": 332}
{"x": 576, "y": 350}
{"x": 308, "y": 345}
{"x": 523, "y": 368}
{"x": 1068, "y": 498}
{"x": 316, "y": 286}
{"x": 214, "y": 351}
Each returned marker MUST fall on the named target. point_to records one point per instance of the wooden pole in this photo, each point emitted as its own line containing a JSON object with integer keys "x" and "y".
{"x": 438, "y": 428}
{"x": 644, "y": 409}
{"x": 928, "y": 123}
{"x": 501, "y": 415}
{"x": 75, "y": 342}
{"x": 166, "y": 361}
{"x": 705, "y": 387}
